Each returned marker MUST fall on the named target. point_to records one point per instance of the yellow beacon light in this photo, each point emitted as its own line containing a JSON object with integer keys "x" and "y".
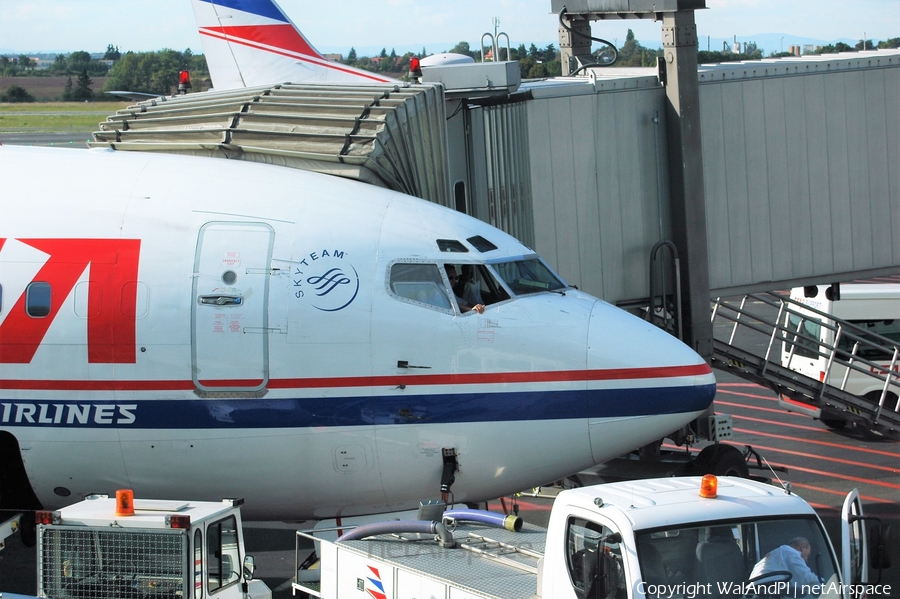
{"x": 124, "y": 502}
{"x": 709, "y": 486}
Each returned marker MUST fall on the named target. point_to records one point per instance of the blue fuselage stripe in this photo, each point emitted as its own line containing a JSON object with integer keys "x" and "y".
{"x": 354, "y": 411}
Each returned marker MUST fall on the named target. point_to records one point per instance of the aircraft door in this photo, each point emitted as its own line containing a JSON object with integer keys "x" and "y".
{"x": 229, "y": 313}
{"x": 854, "y": 554}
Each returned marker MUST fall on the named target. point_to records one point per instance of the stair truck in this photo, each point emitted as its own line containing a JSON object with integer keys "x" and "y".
{"x": 105, "y": 548}
{"x": 679, "y": 538}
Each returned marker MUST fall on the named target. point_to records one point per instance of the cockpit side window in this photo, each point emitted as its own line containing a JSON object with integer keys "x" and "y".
{"x": 528, "y": 276}
{"x": 477, "y": 285}
{"x": 419, "y": 283}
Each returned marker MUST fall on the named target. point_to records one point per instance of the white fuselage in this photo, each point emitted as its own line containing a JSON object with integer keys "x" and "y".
{"x": 204, "y": 328}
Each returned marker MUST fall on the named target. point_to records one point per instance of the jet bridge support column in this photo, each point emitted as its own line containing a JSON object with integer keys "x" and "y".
{"x": 687, "y": 196}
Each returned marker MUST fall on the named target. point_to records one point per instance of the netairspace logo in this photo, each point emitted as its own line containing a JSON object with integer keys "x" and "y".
{"x": 775, "y": 589}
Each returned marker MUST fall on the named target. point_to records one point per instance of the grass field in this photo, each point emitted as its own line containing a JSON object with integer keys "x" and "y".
{"x": 47, "y": 116}
{"x": 55, "y": 116}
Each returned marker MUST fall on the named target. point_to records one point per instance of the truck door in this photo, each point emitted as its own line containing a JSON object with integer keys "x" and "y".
{"x": 594, "y": 560}
{"x": 854, "y": 554}
{"x": 229, "y": 312}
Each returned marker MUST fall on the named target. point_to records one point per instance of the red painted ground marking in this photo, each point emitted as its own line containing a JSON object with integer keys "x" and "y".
{"x": 826, "y": 458}
{"x": 839, "y": 476}
{"x": 802, "y": 469}
{"x": 823, "y": 443}
{"x": 840, "y": 493}
{"x": 800, "y": 426}
{"x": 759, "y": 409}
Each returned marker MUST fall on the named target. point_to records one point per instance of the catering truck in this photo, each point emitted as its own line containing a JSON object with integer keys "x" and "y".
{"x": 846, "y": 336}
{"x": 105, "y": 548}
{"x": 668, "y": 537}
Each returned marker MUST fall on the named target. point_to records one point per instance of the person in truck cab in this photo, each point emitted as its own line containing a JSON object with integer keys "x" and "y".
{"x": 790, "y": 558}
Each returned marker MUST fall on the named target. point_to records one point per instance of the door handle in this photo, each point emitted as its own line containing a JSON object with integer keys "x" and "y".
{"x": 220, "y": 300}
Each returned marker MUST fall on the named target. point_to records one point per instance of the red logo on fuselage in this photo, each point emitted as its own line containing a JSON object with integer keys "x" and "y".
{"x": 111, "y": 306}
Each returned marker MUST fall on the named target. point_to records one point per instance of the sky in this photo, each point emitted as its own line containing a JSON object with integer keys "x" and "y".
{"x": 53, "y": 26}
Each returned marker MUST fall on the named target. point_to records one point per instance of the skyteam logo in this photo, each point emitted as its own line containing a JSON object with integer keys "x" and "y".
{"x": 327, "y": 280}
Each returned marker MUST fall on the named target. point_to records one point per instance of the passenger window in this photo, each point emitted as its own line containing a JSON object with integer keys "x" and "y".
{"x": 222, "y": 557}
{"x": 420, "y": 283}
{"x": 37, "y": 299}
{"x": 870, "y": 347}
{"x": 594, "y": 560}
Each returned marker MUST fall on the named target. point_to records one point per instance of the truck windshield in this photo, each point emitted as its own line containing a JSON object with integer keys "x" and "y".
{"x": 805, "y": 342}
{"x": 528, "y": 276}
{"x": 772, "y": 557}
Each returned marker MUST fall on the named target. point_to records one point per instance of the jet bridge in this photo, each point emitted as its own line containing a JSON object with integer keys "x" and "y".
{"x": 759, "y": 320}
{"x": 391, "y": 135}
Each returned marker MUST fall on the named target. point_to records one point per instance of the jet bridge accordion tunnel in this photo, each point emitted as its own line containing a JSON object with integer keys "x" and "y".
{"x": 393, "y": 136}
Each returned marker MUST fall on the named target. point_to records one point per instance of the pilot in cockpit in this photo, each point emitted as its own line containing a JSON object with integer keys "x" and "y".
{"x": 463, "y": 298}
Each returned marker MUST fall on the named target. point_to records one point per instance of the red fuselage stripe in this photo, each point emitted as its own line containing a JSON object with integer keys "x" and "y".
{"x": 615, "y": 374}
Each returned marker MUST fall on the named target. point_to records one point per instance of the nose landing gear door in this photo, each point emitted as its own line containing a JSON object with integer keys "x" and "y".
{"x": 229, "y": 313}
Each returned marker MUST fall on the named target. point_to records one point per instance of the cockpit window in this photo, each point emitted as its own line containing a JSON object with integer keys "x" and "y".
{"x": 451, "y": 245}
{"x": 421, "y": 283}
{"x": 528, "y": 276}
{"x": 481, "y": 244}
{"x": 474, "y": 284}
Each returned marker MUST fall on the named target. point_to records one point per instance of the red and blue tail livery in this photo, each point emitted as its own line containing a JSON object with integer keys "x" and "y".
{"x": 252, "y": 42}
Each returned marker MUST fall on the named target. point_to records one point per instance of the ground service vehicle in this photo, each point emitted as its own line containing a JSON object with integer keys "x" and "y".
{"x": 667, "y": 537}
{"x": 163, "y": 550}
{"x": 864, "y": 332}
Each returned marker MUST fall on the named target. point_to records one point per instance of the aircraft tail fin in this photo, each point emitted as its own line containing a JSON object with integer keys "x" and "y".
{"x": 252, "y": 42}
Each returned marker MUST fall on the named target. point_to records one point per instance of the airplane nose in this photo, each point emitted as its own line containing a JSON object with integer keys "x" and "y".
{"x": 647, "y": 383}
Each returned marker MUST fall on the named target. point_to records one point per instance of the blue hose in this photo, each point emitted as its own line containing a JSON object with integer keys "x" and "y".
{"x": 510, "y": 523}
{"x": 400, "y": 526}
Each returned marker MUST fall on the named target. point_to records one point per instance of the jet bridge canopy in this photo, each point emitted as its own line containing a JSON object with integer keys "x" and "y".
{"x": 392, "y": 135}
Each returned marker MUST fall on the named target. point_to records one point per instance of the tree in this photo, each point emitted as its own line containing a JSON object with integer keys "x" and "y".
{"x": 112, "y": 53}
{"x": 14, "y": 93}
{"x": 26, "y": 64}
{"x": 865, "y": 45}
{"x": 59, "y": 64}
{"x": 78, "y": 61}
{"x": 67, "y": 91}
{"x": 351, "y": 56}
{"x": 83, "y": 91}
{"x": 463, "y": 48}
{"x": 834, "y": 48}
{"x": 154, "y": 72}
{"x": 893, "y": 42}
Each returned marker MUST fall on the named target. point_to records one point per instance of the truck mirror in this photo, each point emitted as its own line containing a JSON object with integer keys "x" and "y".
{"x": 810, "y": 291}
{"x": 249, "y": 567}
{"x": 880, "y": 546}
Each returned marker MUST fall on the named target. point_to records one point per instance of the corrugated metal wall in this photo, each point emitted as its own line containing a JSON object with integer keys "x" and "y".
{"x": 594, "y": 161}
{"x": 500, "y": 168}
{"x": 801, "y": 175}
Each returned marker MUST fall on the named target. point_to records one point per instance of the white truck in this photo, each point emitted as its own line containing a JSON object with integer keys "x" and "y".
{"x": 681, "y": 538}
{"x": 163, "y": 550}
{"x": 846, "y": 342}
